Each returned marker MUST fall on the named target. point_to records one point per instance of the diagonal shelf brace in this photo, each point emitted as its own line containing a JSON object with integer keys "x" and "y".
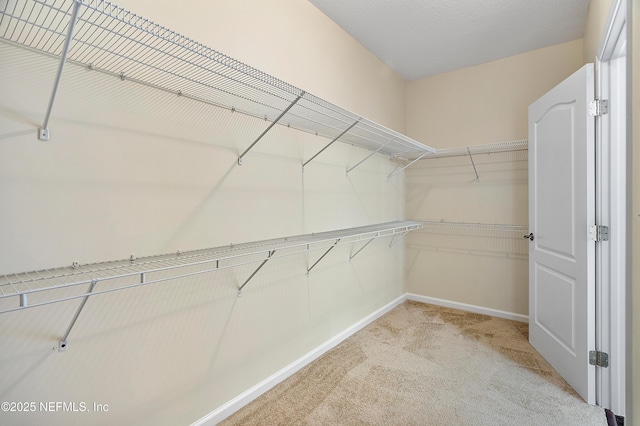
{"x": 43, "y": 132}
{"x": 362, "y": 248}
{"x": 397, "y": 238}
{"x": 399, "y": 170}
{"x": 330, "y": 143}
{"x": 473, "y": 164}
{"x": 269, "y": 128}
{"x": 367, "y": 157}
{"x": 62, "y": 345}
{"x": 321, "y": 257}
{"x": 271, "y": 252}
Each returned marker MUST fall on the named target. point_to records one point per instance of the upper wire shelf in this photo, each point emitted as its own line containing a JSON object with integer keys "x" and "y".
{"x": 465, "y": 151}
{"x": 37, "y": 288}
{"x": 108, "y": 38}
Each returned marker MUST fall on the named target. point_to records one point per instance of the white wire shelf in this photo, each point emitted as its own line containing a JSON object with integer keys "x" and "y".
{"x": 124, "y": 274}
{"x": 481, "y": 238}
{"x": 113, "y": 40}
{"x": 465, "y": 151}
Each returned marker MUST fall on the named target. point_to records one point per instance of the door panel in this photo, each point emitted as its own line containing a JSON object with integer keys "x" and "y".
{"x": 561, "y": 209}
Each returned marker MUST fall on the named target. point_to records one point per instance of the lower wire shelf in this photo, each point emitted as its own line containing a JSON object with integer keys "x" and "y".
{"x": 43, "y": 287}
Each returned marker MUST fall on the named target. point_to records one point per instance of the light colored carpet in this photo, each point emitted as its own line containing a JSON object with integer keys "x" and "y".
{"x": 426, "y": 365}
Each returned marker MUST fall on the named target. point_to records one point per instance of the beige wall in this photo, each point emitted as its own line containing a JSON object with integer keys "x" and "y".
{"x": 132, "y": 170}
{"x": 482, "y": 104}
{"x": 596, "y": 20}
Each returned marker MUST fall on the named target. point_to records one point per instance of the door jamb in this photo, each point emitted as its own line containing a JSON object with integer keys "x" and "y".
{"x": 611, "y": 210}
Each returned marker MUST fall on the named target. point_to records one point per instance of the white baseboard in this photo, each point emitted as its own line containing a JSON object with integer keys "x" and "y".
{"x": 466, "y": 307}
{"x": 249, "y": 395}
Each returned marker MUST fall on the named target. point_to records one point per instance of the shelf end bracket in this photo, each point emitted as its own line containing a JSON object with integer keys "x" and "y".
{"x": 62, "y": 345}
{"x": 330, "y": 143}
{"x": 43, "y": 132}
{"x": 269, "y": 128}
{"x": 367, "y": 157}
{"x": 321, "y": 257}
{"x": 401, "y": 169}
{"x": 361, "y": 248}
{"x": 271, "y": 252}
{"x": 396, "y": 239}
{"x": 473, "y": 164}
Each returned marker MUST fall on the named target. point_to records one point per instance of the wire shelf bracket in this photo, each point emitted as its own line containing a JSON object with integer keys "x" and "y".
{"x": 62, "y": 345}
{"x": 395, "y": 172}
{"x": 273, "y": 123}
{"x": 43, "y": 132}
{"x": 473, "y": 164}
{"x": 361, "y": 248}
{"x": 322, "y": 257}
{"x": 329, "y": 144}
{"x": 397, "y": 238}
{"x": 346, "y": 173}
{"x": 271, "y": 253}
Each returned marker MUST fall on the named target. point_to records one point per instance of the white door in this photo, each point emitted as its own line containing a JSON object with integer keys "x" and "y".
{"x": 561, "y": 210}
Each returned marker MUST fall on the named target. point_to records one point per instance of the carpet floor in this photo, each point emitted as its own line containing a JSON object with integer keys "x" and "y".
{"x": 422, "y": 364}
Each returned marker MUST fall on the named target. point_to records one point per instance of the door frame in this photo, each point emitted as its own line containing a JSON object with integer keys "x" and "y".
{"x": 611, "y": 176}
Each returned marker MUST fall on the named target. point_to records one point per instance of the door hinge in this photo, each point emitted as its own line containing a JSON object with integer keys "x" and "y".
{"x": 599, "y": 359}
{"x": 598, "y": 107}
{"x": 599, "y": 233}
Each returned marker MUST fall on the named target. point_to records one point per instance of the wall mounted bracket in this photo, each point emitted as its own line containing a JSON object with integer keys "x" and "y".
{"x": 397, "y": 238}
{"x": 361, "y": 248}
{"x": 62, "y": 345}
{"x": 43, "y": 132}
{"x": 346, "y": 173}
{"x": 271, "y": 252}
{"x": 329, "y": 144}
{"x": 321, "y": 257}
{"x": 273, "y": 123}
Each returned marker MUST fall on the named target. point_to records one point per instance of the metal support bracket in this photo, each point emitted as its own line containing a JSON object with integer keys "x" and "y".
{"x": 43, "y": 132}
{"x": 62, "y": 345}
{"x": 321, "y": 257}
{"x": 367, "y": 157}
{"x": 271, "y": 252}
{"x": 330, "y": 143}
{"x": 399, "y": 170}
{"x": 473, "y": 164}
{"x": 361, "y": 248}
{"x": 396, "y": 238}
{"x": 269, "y": 128}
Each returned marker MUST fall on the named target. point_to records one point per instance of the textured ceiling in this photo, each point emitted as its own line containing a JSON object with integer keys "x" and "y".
{"x": 419, "y": 38}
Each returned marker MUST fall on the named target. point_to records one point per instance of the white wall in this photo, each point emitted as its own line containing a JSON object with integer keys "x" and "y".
{"x": 131, "y": 170}
{"x": 477, "y": 105}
